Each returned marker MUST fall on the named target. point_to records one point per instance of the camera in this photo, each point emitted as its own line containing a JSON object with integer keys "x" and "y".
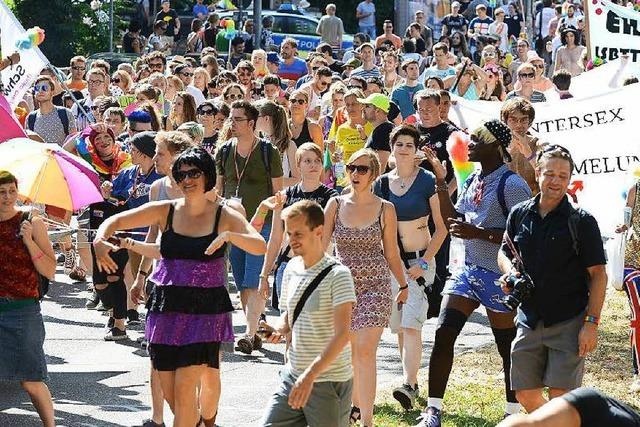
{"x": 521, "y": 289}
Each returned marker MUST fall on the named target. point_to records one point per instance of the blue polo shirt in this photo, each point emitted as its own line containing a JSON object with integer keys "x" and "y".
{"x": 478, "y": 202}
{"x": 294, "y": 71}
{"x": 559, "y": 273}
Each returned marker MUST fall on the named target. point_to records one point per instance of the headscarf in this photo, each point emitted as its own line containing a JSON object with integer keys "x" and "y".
{"x": 502, "y": 135}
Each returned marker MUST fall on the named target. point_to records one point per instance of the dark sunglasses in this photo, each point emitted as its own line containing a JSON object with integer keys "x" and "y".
{"x": 540, "y": 66}
{"x": 298, "y": 101}
{"x": 94, "y": 108}
{"x": 191, "y": 174}
{"x": 233, "y": 96}
{"x": 77, "y": 68}
{"x": 187, "y": 74}
{"x": 527, "y": 75}
{"x": 207, "y": 112}
{"x": 354, "y": 87}
{"x": 41, "y": 88}
{"x": 360, "y": 169}
{"x": 116, "y": 80}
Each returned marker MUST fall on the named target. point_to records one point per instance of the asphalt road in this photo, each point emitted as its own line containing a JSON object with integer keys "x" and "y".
{"x": 105, "y": 384}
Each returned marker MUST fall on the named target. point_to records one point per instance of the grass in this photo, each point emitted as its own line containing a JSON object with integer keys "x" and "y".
{"x": 475, "y": 395}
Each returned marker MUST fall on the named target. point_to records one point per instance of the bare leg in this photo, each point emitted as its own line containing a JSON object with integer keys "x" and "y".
{"x": 186, "y": 402}
{"x": 157, "y": 398}
{"x": 367, "y": 341}
{"x": 556, "y": 413}
{"x": 253, "y": 305}
{"x": 41, "y": 399}
{"x": 210, "y": 393}
{"x": 167, "y": 382}
{"x": 531, "y": 399}
{"x": 412, "y": 354}
{"x": 557, "y": 392}
{"x": 401, "y": 342}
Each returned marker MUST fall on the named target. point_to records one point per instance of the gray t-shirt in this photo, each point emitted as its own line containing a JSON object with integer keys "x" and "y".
{"x": 50, "y": 128}
{"x": 365, "y": 7}
{"x": 331, "y": 29}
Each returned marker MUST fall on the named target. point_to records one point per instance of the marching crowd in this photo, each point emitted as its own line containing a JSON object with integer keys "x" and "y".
{"x": 324, "y": 184}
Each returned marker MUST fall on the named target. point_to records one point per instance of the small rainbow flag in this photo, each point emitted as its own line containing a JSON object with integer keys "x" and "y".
{"x": 458, "y": 148}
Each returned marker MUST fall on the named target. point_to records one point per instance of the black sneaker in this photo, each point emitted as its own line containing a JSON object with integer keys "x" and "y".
{"x": 262, "y": 318}
{"x": 133, "y": 317}
{"x": 245, "y": 344}
{"x": 92, "y": 300}
{"x": 115, "y": 334}
{"x": 111, "y": 323}
{"x": 151, "y": 423}
{"x": 406, "y": 395}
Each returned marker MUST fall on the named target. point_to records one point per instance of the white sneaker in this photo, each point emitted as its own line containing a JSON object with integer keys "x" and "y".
{"x": 635, "y": 385}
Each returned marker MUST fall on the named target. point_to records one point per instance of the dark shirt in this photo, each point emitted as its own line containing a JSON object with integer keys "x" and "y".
{"x": 513, "y": 25}
{"x": 127, "y": 42}
{"x": 436, "y": 139}
{"x": 336, "y": 67}
{"x": 597, "y": 409}
{"x": 559, "y": 273}
{"x": 170, "y": 18}
{"x": 321, "y": 195}
{"x": 454, "y": 23}
{"x": 379, "y": 138}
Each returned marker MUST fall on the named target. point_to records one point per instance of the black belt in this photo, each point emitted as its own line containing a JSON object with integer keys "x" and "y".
{"x": 413, "y": 255}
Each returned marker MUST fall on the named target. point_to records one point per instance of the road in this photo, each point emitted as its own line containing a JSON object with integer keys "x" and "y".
{"x": 105, "y": 384}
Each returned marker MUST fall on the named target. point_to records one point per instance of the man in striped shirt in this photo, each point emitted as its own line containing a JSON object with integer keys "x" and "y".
{"x": 368, "y": 67}
{"x": 317, "y": 379}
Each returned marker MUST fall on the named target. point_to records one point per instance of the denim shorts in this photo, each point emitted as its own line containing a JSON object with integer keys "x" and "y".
{"x": 478, "y": 284}
{"x": 21, "y": 339}
{"x": 246, "y": 267}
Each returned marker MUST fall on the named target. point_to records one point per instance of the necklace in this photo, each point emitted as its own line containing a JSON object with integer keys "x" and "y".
{"x": 403, "y": 184}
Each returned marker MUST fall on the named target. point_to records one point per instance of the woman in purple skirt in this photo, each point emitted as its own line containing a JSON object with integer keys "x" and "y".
{"x": 188, "y": 311}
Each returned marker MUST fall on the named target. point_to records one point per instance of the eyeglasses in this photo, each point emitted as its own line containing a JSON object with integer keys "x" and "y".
{"x": 238, "y": 119}
{"x": 44, "y": 87}
{"x": 191, "y": 174}
{"x": 78, "y": 68}
{"x": 354, "y": 87}
{"x": 298, "y": 101}
{"x": 360, "y": 169}
{"x": 116, "y": 80}
{"x": 95, "y": 82}
{"x": 232, "y": 96}
{"x": 207, "y": 112}
{"x": 155, "y": 66}
{"x": 186, "y": 74}
{"x": 527, "y": 75}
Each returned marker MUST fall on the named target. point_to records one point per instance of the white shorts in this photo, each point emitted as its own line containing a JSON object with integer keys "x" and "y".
{"x": 414, "y": 311}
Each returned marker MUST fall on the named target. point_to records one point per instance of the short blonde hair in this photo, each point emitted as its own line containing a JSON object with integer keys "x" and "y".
{"x": 372, "y": 157}
{"x": 307, "y": 147}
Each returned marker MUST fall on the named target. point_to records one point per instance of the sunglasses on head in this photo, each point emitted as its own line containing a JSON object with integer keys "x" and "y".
{"x": 527, "y": 75}
{"x": 191, "y": 174}
{"x": 354, "y": 87}
{"x": 360, "y": 169}
{"x": 207, "y": 112}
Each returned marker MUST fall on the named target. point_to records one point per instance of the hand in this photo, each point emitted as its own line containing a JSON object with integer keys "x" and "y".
{"x": 301, "y": 390}
{"x": 519, "y": 143}
{"x": 106, "y": 189}
{"x": 217, "y": 243}
{"x": 503, "y": 281}
{"x": 104, "y": 262}
{"x": 26, "y": 231}
{"x": 621, "y": 228}
{"x": 415, "y": 272}
{"x": 275, "y": 202}
{"x": 138, "y": 295}
{"x": 263, "y": 289}
{"x": 401, "y": 296}
{"x": 439, "y": 167}
{"x": 15, "y": 58}
{"x": 587, "y": 339}
{"x": 463, "y": 230}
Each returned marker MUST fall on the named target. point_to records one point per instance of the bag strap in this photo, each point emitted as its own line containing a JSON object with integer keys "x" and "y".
{"x": 62, "y": 115}
{"x": 308, "y": 291}
{"x": 501, "y": 184}
{"x": 266, "y": 159}
{"x": 384, "y": 187}
{"x": 31, "y": 121}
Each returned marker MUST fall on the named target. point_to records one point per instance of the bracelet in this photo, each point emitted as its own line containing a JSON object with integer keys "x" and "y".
{"x": 262, "y": 214}
{"x": 442, "y": 188}
{"x": 37, "y": 257}
{"x": 143, "y": 273}
{"x": 532, "y": 156}
{"x": 592, "y": 319}
{"x": 402, "y": 288}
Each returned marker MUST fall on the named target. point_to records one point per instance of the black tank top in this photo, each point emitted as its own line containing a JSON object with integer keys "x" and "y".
{"x": 177, "y": 246}
{"x": 304, "y": 136}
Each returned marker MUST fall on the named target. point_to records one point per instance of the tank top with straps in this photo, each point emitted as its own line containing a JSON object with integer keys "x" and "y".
{"x": 304, "y": 136}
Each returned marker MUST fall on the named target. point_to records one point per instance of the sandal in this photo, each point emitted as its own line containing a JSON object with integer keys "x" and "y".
{"x": 78, "y": 274}
{"x": 354, "y": 417}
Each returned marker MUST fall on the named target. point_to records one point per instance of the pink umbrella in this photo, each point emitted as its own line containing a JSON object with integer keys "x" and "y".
{"x": 47, "y": 174}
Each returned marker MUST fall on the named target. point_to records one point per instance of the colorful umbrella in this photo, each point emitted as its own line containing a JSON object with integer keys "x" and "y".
{"x": 48, "y": 174}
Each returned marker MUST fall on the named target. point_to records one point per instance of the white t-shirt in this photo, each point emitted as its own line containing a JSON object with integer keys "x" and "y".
{"x": 197, "y": 94}
{"x": 501, "y": 29}
{"x": 315, "y": 327}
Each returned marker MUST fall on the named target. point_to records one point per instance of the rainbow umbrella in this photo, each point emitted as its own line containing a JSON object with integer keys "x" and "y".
{"x": 49, "y": 175}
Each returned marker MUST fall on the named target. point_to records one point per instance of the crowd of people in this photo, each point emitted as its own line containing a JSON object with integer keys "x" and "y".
{"x": 324, "y": 184}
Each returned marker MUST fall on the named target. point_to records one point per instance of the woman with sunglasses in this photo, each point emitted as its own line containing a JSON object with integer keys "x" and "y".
{"x": 302, "y": 128}
{"x": 188, "y": 311}
{"x": 364, "y": 229}
{"x": 183, "y": 109}
{"x": 272, "y": 124}
{"x": 471, "y": 80}
{"x": 493, "y": 89}
{"x": 212, "y": 115}
{"x": 233, "y": 92}
{"x": 121, "y": 83}
{"x": 411, "y": 190}
{"x": 524, "y": 87}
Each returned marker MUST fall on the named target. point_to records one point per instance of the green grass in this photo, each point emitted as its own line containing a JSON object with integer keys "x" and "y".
{"x": 475, "y": 395}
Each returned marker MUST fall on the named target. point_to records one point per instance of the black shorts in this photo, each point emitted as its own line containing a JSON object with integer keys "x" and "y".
{"x": 120, "y": 257}
{"x": 598, "y": 410}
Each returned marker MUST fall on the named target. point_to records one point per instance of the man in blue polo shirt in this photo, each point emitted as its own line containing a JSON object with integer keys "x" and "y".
{"x": 560, "y": 248}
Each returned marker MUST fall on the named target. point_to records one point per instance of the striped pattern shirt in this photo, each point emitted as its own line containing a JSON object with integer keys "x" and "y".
{"x": 315, "y": 326}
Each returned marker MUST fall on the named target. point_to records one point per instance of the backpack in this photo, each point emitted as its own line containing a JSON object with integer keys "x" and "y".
{"x": 43, "y": 282}
{"x": 62, "y": 115}
{"x": 265, "y": 154}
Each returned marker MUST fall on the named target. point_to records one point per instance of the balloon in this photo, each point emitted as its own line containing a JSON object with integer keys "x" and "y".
{"x": 31, "y": 38}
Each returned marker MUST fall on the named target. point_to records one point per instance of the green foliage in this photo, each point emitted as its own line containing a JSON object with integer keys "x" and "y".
{"x": 346, "y": 10}
{"x": 72, "y": 27}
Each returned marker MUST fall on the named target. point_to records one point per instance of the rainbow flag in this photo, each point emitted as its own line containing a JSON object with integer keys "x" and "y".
{"x": 458, "y": 148}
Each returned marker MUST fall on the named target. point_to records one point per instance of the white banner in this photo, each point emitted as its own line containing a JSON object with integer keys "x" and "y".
{"x": 613, "y": 30}
{"x": 604, "y": 78}
{"x": 18, "y": 78}
{"x": 601, "y": 132}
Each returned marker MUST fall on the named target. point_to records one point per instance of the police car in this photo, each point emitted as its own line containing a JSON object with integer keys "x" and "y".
{"x": 289, "y": 22}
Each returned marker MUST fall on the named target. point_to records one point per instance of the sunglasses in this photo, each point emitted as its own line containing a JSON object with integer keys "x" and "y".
{"x": 354, "y": 87}
{"x": 539, "y": 66}
{"x": 94, "y": 108}
{"x": 187, "y": 74}
{"x": 191, "y": 174}
{"x": 116, "y": 80}
{"x": 41, "y": 88}
{"x": 298, "y": 101}
{"x": 224, "y": 82}
{"x": 324, "y": 84}
{"x": 77, "y": 68}
{"x": 360, "y": 169}
{"x": 207, "y": 112}
{"x": 527, "y": 75}
{"x": 233, "y": 96}
{"x": 156, "y": 65}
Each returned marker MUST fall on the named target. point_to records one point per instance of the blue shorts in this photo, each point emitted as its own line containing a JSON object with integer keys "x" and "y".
{"x": 477, "y": 284}
{"x": 246, "y": 267}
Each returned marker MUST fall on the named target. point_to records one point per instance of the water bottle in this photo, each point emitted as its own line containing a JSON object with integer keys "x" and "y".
{"x": 456, "y": 255}
{"x": 338, "y": 167}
